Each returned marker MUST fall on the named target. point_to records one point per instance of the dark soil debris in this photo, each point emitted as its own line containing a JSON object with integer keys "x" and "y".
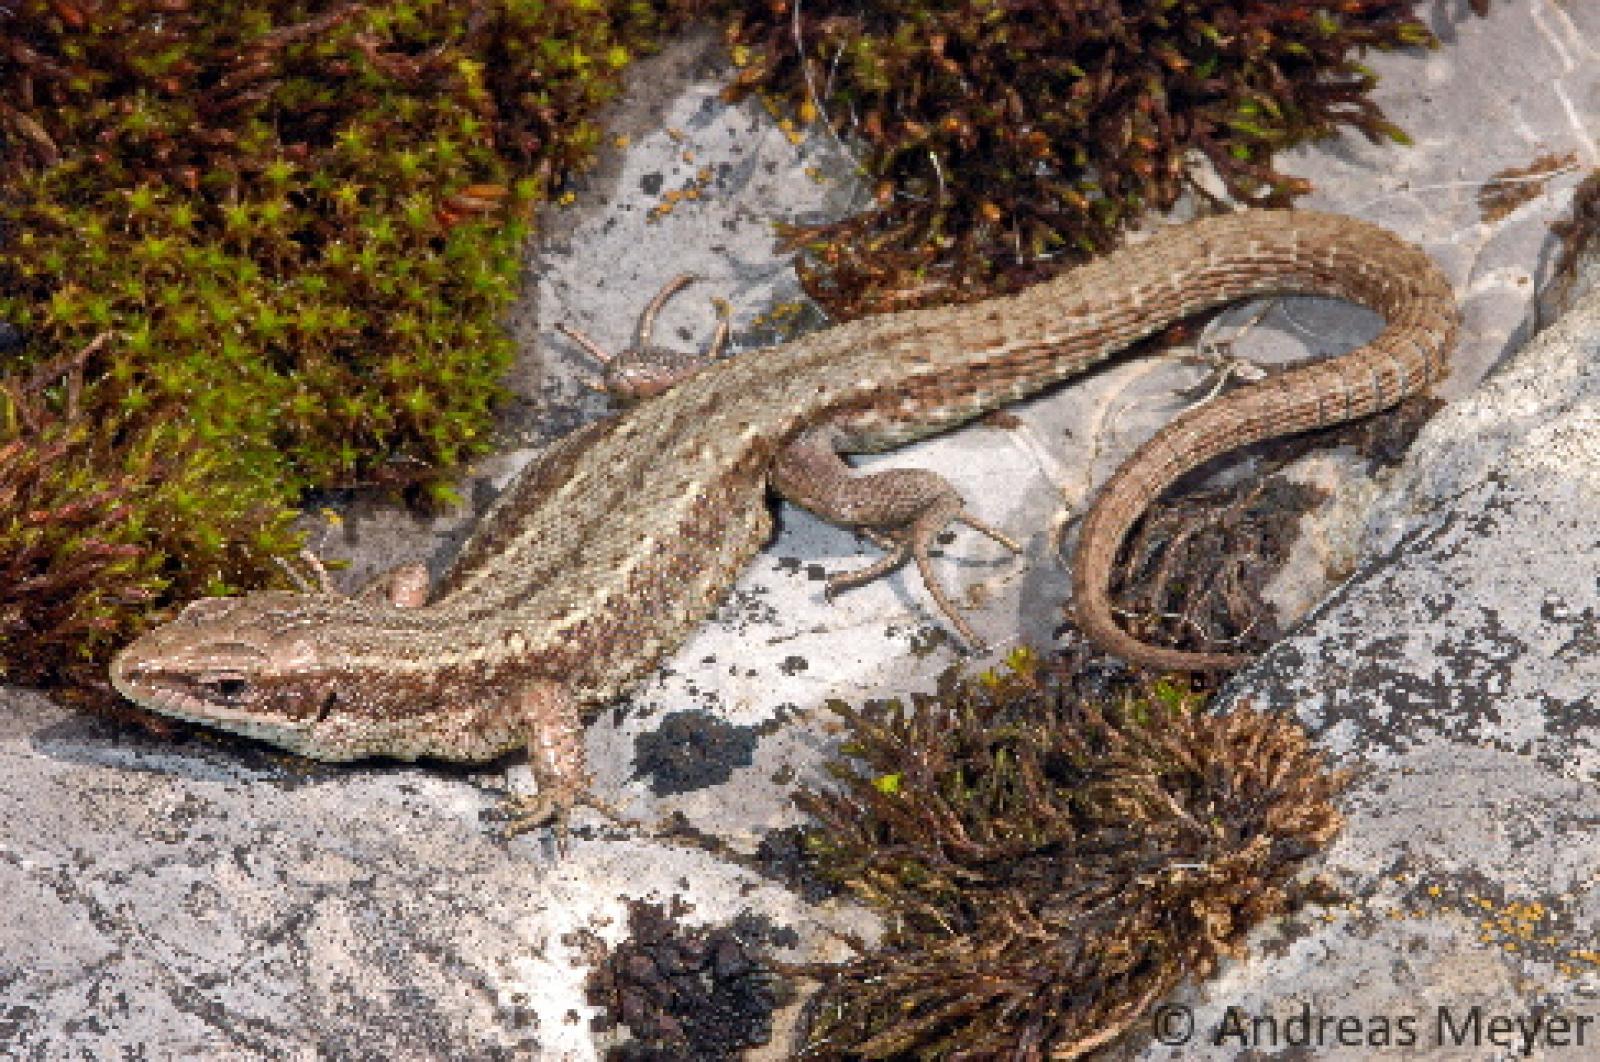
{"x": 702, "y": 993}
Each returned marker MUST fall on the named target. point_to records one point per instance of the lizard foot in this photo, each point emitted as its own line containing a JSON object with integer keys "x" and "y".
{"x": 901, "y": 509}
{"x": 913, "y": 543}
{"x": 554, "y": 728}
{"x": 644, "y": 369}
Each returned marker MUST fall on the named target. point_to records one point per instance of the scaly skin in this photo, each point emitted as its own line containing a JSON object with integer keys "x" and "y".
{"x": 604, "y": 556}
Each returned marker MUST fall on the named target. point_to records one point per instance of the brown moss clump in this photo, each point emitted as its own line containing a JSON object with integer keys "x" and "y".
{"x": 1508, "y": 189}
{"x": 1005, "y": 136}
{"x": 1047, "y": 866}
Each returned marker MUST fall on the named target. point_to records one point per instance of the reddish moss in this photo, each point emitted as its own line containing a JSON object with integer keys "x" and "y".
{"x": 1003, "y": 137}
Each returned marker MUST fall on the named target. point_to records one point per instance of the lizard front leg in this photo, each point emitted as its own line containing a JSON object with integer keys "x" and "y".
{"x": 553, "y": 724}
{"x": 901, "y": 509}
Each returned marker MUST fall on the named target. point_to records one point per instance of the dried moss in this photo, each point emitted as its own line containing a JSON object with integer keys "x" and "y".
{"x": 1005, "y": 136}
{"x": 1513, "y": 186}
{"x": 298, "y": 224}
{"x": 1049, "y": 866}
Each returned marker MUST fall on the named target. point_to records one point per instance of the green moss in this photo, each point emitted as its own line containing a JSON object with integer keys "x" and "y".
{"x": 1005, "y": 138}
{"x": 298, "y": 223}
{"x": 1050, "y": 862}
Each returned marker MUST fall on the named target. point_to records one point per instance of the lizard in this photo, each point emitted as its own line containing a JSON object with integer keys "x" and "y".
{"x": 602, "y": 557}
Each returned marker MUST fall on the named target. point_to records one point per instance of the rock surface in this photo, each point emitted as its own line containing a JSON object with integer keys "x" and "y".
{"x": 213, "y": 898}
{"x": 1459, "y": 671}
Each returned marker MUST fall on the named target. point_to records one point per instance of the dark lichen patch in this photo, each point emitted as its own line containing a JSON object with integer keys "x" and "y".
{"x": 1511, "y": 187}
{"x": 701, "y": 993}
{"x": 1002, "y": 139}
{"x": 1049, "y": 866}
{"x": 692, "y": 750}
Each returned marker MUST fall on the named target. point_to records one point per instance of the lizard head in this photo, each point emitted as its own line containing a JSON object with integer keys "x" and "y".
{"x": 236, "y": 663}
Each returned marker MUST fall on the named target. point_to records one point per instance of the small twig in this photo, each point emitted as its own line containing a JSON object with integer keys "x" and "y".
{"x": 811, "y": 86}
{"x": 1448, "y": 185}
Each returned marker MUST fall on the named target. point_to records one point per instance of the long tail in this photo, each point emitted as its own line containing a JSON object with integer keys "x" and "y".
{"x": 1341, "y": 256}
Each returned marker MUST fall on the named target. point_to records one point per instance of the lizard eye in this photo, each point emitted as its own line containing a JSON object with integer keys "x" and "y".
{"x": 225, "y": 688}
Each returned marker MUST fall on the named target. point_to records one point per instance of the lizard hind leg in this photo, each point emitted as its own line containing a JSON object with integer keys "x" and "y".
{"x": 900, "y": 509}
{"x": 645, "y": 369}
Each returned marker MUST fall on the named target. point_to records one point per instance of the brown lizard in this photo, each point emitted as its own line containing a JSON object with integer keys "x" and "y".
{"x": 604, "y": 556}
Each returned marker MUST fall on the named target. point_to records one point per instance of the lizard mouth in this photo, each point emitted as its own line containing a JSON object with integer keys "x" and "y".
{"x": 217, "y": 690}
{"x": 204, "y": 701}
{"x": 160, "y": 691}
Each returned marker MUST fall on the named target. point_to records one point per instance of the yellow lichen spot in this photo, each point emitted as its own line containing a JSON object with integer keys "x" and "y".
{"x": 808, "y": 112}
{"x": 1021, "y": 658}
{"x": 567, "y": 198}
{"x": 333, "y": 519}
{"x": 687, "y": 156}
{"x": 740, "y": 55}
{"x": 621, "y": 140}
{"x": 1434, "y": 890}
